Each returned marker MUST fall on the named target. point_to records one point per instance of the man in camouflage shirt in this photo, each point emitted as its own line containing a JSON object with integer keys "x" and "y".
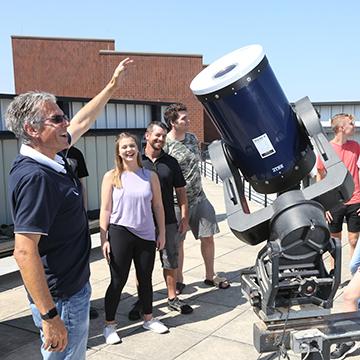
{"x": 184, "y": 147}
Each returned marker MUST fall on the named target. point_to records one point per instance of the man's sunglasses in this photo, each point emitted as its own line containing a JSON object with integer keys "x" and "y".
{"x": 58, "y": 119}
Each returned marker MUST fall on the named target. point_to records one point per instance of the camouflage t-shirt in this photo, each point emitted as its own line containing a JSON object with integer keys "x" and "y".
{"x": 187, "y": 153}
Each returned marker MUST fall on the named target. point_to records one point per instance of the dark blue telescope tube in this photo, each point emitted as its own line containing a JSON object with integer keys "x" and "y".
{"x": 255, "y": 120}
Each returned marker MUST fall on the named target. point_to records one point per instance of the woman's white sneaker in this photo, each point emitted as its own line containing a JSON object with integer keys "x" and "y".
{"x": 155, "y": 325}
{"x": 110, "y": 335}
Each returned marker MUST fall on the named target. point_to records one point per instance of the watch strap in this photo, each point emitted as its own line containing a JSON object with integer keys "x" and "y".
{"x": 50, "y": 314}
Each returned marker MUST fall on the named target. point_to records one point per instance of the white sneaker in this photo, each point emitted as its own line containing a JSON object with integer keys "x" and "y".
{"x": 110, "y": 334}
{"x": 155, "y": 325}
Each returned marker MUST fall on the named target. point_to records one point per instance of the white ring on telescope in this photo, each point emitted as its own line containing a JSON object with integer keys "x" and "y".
{"x": 227, "y": 69}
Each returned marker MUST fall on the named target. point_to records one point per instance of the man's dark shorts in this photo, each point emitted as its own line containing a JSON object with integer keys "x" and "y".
{"x": 349, "y": 212}
{"x": 170, "y": 254}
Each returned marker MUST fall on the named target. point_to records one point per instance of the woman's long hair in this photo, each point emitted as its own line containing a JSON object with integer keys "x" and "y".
{"x": 119, "y": 164}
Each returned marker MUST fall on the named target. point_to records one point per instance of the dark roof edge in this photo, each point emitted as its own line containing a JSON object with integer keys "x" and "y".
{"x": 113, "y": 52}
{"x": 338, "y": 102}
{"x": 7, "y": 96}
{"x": 59, "y": 38}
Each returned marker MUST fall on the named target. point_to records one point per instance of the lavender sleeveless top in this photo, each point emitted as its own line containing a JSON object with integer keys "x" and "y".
{"x": 131, "y": 205}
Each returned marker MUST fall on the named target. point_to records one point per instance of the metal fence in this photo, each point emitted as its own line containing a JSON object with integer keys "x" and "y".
{"x": 208, "y": 171}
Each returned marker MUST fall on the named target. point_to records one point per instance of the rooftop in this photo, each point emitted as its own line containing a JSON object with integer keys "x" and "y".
{"x": 219, "y": 328}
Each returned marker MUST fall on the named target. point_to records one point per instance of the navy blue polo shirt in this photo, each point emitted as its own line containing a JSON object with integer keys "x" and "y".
{"x": 47, "y": 202}
{"x": 170, "y": 176}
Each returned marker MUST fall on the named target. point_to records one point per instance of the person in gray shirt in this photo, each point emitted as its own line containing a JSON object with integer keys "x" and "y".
{"x": 184, "y": 147}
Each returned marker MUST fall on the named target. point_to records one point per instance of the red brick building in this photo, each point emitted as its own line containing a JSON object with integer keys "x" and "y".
{"x": 79, "y": 68}
{"x": 76, "y": 69}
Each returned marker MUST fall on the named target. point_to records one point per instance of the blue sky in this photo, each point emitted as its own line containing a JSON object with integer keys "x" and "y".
{"x": 313, "y": 46}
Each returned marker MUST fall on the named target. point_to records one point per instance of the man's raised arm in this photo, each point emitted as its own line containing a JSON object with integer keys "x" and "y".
{"x": 83, "y": 120}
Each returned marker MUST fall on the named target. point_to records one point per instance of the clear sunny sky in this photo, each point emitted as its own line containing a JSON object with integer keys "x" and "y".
{"x": 313, "y": 46}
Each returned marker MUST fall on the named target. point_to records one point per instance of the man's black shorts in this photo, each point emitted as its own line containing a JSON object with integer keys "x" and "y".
{"x": 349, "y": 212}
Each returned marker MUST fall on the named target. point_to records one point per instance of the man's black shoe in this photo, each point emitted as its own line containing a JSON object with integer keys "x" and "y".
{"x": 180, "y": 306}
{"x": 93, "y": 313}
{"x": 135, "y": 312}
{"x": 342, "y": 350}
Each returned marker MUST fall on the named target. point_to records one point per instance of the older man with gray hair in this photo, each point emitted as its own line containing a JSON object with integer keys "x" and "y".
{"x": 52, "y": 241}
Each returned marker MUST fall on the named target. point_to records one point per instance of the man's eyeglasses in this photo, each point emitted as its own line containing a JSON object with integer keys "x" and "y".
{"x": 58, "y": 119}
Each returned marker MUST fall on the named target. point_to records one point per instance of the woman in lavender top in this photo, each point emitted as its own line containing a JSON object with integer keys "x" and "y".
{"x": 130, "y": 200}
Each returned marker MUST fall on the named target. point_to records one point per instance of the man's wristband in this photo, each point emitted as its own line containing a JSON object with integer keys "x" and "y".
{"x": 50, "y": 314}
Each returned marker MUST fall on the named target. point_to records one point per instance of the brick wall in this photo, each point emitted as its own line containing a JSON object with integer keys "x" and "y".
{"x": 65, "y": 67}
{"x": 81, "y": 68}
{"x": 210, "y": 131}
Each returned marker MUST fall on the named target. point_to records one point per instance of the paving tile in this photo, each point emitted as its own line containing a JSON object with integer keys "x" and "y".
{"x": 13, "y": 301}
{"x": 22, "y": 320}
{"x": 214, "y": 348}
{"x": 192, "y": 261}
{"x": 10, "y": 280}
{"x": 205, "y": 319}
{"x": 99, "y": 270}
{"x": 232, "y": 297}
{"x": 100, "y": 355}
{"x": 190, "y": 242}
{"x": 13, "y": 339}
{"x": 145, "y": 345}
{"x": 90, "y": 352}
{"x": 30, "y": 351}
{"x": 244, "y": 256}
{"x": 240, "y": 328}
{"x": 228, "y": 242}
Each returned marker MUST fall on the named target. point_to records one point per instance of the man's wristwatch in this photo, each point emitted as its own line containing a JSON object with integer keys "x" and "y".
{"x": 50, "y": 314}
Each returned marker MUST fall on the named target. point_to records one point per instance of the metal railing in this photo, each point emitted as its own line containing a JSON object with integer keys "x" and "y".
{"x": 208, "y": 171}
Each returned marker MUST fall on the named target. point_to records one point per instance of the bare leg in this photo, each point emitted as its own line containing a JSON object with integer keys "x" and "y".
{"x": 208, "y": 254}
{"x": 352, "y": 239}
{"x": 179, "y": 272}
{"x": 170, "y": 280}
{"x": 352, "y": 293}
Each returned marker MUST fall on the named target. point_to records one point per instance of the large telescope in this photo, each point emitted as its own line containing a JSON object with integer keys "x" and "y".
{"x": 270, "y": 143}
